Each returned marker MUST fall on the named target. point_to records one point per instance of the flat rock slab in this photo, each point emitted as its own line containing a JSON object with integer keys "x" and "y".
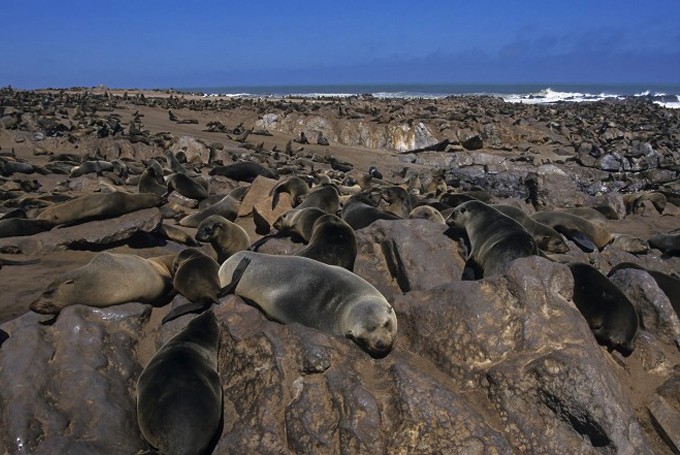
{"x": 101, "y": 232}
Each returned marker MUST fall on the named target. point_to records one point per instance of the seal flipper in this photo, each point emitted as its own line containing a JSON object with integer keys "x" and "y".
{"x": 235, "y": 278}
{"x": 49, "y": 321}
{"x": 580, "y": 239}
{"x": 394, "y": 264}
{"x": 192, "y": 307}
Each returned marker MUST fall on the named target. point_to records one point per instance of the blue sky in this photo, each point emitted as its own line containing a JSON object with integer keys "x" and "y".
{"x": 153, "y": 44}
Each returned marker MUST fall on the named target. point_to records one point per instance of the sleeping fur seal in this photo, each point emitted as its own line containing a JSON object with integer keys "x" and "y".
{"x": 329, "y": 298}
{"x": 108, "y": 279}
{"x": 99, "y": 206}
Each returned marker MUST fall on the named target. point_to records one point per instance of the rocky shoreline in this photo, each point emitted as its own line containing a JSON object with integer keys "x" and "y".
{"x": 505, "y": 364}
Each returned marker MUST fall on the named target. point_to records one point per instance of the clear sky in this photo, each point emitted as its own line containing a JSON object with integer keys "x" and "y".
{"x": 210, "y": 43}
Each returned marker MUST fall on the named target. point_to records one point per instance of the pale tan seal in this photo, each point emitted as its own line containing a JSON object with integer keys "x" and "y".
{"x": 495, "y": 239}
{"x": 108, "y": 279}
{"x": 427, "y": 212}
{"x": 332, "y": 299}
{"x": 585, "y": 234}
{"x": 99, "y": 206}
{"x": 225, "y": 237}
{"x": 179, "y": 393}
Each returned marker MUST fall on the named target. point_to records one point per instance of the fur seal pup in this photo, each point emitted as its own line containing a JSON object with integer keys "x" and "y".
{"x": 324, "y": 197}
{"x": 669, "y": 244}
{"x": 360, "y": 212}
{"x": 585, "y": 234}
{"x": 227, "y": 208}
{"x": 398, "y": 199}
{"x": 225, "y": 237}
{"x": 91, "y": 167}
{"x": 427, "y": 212}
{"x": 175, "y": 234}
{"x": 186, "y": 186}
{"x": 670, "y": 285}
{"x": 329, "y": 298}
{"x": 179, "y": 392}
{"x": 629, "y": 244}
{"x": 546, "y": 237}
{"x": 495, "y": 239}
{"x": 152, "y": 180}
{"x": 99, "y": 206}
{"x": 332, "y": 242}
{"x": 635, "y": 202}
{"x": 243, "y": 171}
{"x": 298, "y": 223}
{"x": 108, "y": 279}
{"x": 610, "y": 315}
{"x": 295, "y": 186}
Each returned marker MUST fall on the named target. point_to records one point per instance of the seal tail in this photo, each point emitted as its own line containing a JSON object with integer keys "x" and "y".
{"x": 235, "y": 278}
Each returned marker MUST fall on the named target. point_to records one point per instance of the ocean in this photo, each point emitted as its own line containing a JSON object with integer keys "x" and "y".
{"x": 665, "y": 95}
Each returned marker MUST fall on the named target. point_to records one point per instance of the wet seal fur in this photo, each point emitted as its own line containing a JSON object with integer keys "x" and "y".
{"x": 179, "y": 393}
{"x": 329, "y": 298}
{"x": 613, "y": 319}
{"x": 495, "y": 239}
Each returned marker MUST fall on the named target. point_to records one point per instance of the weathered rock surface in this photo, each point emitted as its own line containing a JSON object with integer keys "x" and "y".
{"x": 93, "y": 233}
{"x": 495, "y": 366}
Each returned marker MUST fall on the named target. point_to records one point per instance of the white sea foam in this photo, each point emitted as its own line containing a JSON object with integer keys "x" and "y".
{"x": 553, "y": 96}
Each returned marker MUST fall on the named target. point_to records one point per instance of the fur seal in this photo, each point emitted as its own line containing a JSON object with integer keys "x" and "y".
{"x": 108, "y": 279}
{"x": 295, "y": 186}
{"x": 670, "y": 285}
{"x": 495, "y": 239}
{"x": 546, "y": 237}
{"x": 332, "y": 242}
{"x": 587, "y": 213}
{"x": 225, "y": 237}
{"x": 427, "y": 212}
{"x": 227, "y": 208}
{"x": 179, "y": 392}
{"x": 635, "y": 202}
{"x": 186, "y": 186}
{"x": 360, "y": 212}
{"x": 12, "y": 227}
{"x": 152, "y": 180}
{"x": 298, "y": 222}
{"x": 324, "y": 197}
{"x": 194, "y": 275}
{"x": 175, "y": 234}
{"x": 610, "y": 315}
{"x": 99, "y": 206}
{"x": 669, "y": 244}
{"x": 91, "y": 167}
{"x": 585, "y": 234}
{"x": 329, "y": 298}
{"x": 398, "y": 199}
{"x": 629, "y": 244}
{"x": 243, "y": 171}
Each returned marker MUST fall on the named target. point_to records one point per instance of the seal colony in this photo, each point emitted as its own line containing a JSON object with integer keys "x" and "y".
{"x": 223, "y": 191}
